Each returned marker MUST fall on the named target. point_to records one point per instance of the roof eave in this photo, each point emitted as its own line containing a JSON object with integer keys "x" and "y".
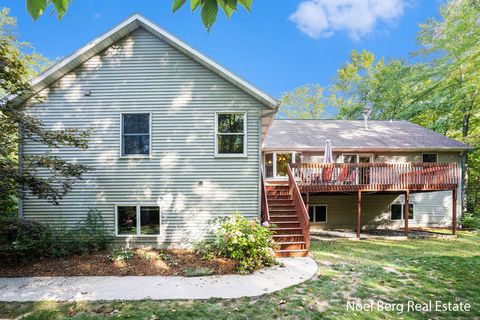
{"x": 370, "y": 149}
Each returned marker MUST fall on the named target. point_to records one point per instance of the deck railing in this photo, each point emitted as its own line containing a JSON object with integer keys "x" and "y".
{"x": 332, "y": 177}
{"x": 300, "y": 208}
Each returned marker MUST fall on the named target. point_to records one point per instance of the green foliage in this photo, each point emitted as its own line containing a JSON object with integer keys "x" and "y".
{"x": 470, "y": 221}
{"x": 17, "y": 69}
{"x": 26, "y": 240}
{"x": 122, "y": 254}
{"x": 306, "y": 102}
{"x": 244, "y": 240}
{"x": 36, "y": 8}
{"x": 209, "y": 8}
{"x": 198, "y": 271}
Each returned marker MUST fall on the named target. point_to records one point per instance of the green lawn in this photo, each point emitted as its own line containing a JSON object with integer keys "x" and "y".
{"x": 360, "y": 271}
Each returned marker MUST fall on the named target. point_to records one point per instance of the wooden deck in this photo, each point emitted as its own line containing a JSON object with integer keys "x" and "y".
{"x": 375, "y": 177}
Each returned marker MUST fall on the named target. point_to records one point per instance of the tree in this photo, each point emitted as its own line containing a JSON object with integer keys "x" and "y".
{"x": 16, "y": 69}
{"x": 453, "y": 75}
{"x": 208, "y": 8}
{"x": 306, "y": 102}
{"x": 353, "y": 88}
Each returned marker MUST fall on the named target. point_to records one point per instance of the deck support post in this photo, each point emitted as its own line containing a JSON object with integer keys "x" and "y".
{"x": 406, "y": 212}
{"x": 454, "y": 211}
{"x": 359, "y": 212}
{"x": 307, "y": 200}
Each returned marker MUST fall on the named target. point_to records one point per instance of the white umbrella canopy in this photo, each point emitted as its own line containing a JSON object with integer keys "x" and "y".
{"x": 328, "y": 156}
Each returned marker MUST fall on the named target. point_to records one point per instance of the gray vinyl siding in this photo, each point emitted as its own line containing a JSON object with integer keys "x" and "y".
{"x": 143, "y": 74}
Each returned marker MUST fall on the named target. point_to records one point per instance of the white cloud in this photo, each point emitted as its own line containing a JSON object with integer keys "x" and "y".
{"x": 322, "y": 18}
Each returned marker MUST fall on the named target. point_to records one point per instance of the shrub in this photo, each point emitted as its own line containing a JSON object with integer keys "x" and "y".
{"x": 122, "y": 254}
{"x": 243, "y": 240}
{"x": 26, "y": 240}
{"x": 470, "y": 221}
{"x": 22, "y": 239}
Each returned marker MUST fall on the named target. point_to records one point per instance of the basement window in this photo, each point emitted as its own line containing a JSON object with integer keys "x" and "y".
{"x": 397, "y": 211}
{"x": 317, "y": 213}
{"x": 135, "y": 220}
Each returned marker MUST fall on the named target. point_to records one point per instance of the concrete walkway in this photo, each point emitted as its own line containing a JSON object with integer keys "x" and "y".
{"x": 295, "y": 271}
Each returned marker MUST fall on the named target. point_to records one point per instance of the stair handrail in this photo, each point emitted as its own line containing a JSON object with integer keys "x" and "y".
{"x": 265, "y": 210}
{"x": 300, "y": 208}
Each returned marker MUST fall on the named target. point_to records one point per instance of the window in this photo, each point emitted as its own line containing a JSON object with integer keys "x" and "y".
{"x": 317, "y": 213}
{"x": 397, "y": 211}
{"x": 276, "y": 163}
{"x": 135, "y": 134}
{"x": 429, "y": 157}
{"x": 230, "y": 132}
{"x": 138, "y": 220}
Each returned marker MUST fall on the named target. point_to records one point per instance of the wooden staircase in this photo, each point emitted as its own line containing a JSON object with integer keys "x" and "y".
{"x": 285, "y": 220}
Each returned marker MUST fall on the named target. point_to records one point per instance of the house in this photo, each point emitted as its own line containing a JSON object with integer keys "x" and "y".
{"x": 178, "y": 140}
{"x": 176, "y": 137}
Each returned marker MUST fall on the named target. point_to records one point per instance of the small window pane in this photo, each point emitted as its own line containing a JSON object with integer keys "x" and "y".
{"x": 298, "y": 157}
{"x": 230, "y": 123}
{"x": 149, "y": 220}
{"x": 396, "y": 212}
{"x": 311, "y": 212}
{"x": 429, "y": 157}
{"x": 127, "y": 220}
{"x": 283, "y": 160}
{"x": 321, "y": 214}
{"x": 269, "y": 165}
{"x": 230, "y": 144}
{"x": 136, "y": 144}
{"x": 136, "y": 123}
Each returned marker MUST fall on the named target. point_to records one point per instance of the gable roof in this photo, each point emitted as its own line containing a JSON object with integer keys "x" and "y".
{"x": 351, "y": 135}
{"x": 123, "y": 29}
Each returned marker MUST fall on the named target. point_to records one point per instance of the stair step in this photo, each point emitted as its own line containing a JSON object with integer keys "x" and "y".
{"x": 291, "y": 245}
{"x": 292, "y": 253}
{"x": 286, "y": 229}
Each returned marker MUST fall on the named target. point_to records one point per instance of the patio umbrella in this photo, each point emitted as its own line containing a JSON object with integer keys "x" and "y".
{"x": 328, "y": 156}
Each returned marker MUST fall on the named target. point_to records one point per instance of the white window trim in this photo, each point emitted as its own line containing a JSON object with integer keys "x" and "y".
{"x": 315, "y": 209}
{"x": 274, "y": 159}
{"x": 245, "y": 147}
{"x": 402, "y": 205}
{"x": 135, "y": 156}
{"x": 137, "y": 206}
{"x": 436, "y": 154}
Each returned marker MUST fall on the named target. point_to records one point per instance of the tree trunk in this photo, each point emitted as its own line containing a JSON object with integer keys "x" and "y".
{"x": 464, "y": 161}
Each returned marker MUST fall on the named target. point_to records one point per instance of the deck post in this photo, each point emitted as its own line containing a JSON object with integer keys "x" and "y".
{"x": 359, "y": 212}
{"x": 454, "y": 211}
{"x": 307, "y": 198}
{"x": 407, "y": 210}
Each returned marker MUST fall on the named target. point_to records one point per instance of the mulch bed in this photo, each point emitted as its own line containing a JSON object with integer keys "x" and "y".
{"x": 145, "y": 262}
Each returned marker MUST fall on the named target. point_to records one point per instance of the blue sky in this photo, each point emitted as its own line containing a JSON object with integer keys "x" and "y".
{"x": 279, "y": 46}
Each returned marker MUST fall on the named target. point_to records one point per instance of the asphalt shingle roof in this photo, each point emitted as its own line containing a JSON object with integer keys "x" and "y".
{"x": 352, "y": 134}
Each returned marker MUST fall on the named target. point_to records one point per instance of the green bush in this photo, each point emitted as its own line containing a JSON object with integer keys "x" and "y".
{"x": 470, "y": 221}
{"x": 27, "y": 240}
{"x": 22, "y": 239}
{"x": 198, "y": 271}
{"x": 243, "y": 240}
